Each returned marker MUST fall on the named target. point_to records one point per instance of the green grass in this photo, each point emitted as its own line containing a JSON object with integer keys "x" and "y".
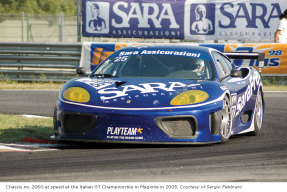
{"x": 14, "y": 128}
{"x": 275, "y": 88}
{"x": 7, "y": 84}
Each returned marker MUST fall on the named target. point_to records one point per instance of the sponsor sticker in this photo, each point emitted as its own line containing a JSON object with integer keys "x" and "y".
{"x": 244, "y": 97}
{"x": 107, "y": 91}
{"x": 157, "y": 52}
{"x": 125, "y": 133}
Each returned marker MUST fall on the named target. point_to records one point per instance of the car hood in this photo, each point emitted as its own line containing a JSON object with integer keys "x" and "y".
{"x": 139, "y": 92}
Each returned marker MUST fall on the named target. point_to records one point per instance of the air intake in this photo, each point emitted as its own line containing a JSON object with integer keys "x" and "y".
{"x": 78, "y": 124}
{"x": 179, "y": 127}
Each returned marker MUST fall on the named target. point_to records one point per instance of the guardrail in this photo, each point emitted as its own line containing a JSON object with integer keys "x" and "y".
{"x": 55, "y": 62}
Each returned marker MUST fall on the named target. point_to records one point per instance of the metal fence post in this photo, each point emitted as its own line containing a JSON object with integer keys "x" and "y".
{"x": 28, "y": 26}
{"x": 22, "y": 27}
{"x": 61, "y": 22}
{"x": 79, "y": 35}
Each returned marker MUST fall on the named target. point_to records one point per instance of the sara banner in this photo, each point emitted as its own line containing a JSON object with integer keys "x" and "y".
{"x": 275, "y": 54}
{"x": 183, "y": 19}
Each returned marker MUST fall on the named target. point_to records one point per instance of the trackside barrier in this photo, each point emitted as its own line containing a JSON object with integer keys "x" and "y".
{"x": 58, "y": 62}
{"x": 275, "y": 61}
{"x": 55, "y": 62}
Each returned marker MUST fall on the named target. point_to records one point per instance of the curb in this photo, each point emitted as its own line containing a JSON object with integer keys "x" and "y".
{"x": 34, "y": 140}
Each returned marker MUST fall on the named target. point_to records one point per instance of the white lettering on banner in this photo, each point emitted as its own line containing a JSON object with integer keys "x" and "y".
{"x": 257, "y": 34}
{"x": 143, "y": 16}
{"x": 137, "y": 32}
{"x": 251, "y": 17}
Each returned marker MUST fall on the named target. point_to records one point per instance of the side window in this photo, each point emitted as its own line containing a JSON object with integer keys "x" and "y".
{"x": 221, "y": 71}
{"x": 222, "y": 64}
{"x": 227, "y": 64}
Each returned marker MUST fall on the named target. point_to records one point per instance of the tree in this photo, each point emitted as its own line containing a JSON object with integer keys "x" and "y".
{"x": 38, "y": 6}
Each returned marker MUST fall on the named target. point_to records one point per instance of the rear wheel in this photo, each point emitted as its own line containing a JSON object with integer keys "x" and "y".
{"x": 226, "y": 124}
{"x": 258, "y": 114}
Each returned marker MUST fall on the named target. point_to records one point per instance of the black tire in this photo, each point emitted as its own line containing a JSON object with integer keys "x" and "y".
{"x": 258, "y": 114}
{"x": 226, "y": 120}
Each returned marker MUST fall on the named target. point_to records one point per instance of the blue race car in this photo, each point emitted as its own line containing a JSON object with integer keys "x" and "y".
{"x": 171, "y": 94}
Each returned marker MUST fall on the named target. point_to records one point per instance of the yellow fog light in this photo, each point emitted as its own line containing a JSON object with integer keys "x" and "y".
{"x": 190, "y": 97}
{"x": 77, "y": 94}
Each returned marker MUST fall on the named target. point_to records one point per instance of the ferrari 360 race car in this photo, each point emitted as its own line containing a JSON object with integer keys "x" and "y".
{"x": 175, "y": 94}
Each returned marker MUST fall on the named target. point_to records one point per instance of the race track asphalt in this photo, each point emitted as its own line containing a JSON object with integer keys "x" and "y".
{"x": 244, "y": 158}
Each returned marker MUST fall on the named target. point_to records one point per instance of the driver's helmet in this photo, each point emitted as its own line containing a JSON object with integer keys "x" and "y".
{"x": 199, "y": 67}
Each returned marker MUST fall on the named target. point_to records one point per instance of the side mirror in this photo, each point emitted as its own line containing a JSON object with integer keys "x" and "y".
{"x": 236, "y": 73}
{"x": 81, "y": 71}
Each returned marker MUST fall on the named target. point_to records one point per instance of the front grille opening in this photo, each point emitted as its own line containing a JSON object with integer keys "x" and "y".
{"x": 78, "y": 124}
{"x": 178, "y": 127}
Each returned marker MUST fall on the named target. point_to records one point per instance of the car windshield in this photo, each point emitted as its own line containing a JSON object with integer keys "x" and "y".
{"x": 154, "y": 66}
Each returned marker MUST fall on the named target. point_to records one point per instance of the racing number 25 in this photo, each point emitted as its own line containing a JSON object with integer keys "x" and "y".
{"x": 123, "y": 58}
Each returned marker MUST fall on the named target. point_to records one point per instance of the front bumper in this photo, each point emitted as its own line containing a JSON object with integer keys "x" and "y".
{"x": 178, "y": 126}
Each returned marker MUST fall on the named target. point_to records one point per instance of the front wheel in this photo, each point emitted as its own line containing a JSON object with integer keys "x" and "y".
{"x": 226, "y": 120}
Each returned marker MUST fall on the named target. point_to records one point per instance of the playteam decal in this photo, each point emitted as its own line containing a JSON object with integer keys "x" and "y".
{"x": 125, "y": 133}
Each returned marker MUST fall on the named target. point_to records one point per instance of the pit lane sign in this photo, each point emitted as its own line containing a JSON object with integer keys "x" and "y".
{"x": 182, "y": 19}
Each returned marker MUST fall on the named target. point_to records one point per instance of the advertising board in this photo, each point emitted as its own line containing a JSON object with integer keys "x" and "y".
{"x": 254, "y": 20}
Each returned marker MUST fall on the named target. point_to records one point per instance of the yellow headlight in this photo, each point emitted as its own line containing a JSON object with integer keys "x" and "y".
{"x": 77, "y": 94}
{"x": 190, "y": 97}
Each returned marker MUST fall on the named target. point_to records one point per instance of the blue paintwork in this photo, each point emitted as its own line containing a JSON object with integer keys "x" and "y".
{"x": 135, "y": 109}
